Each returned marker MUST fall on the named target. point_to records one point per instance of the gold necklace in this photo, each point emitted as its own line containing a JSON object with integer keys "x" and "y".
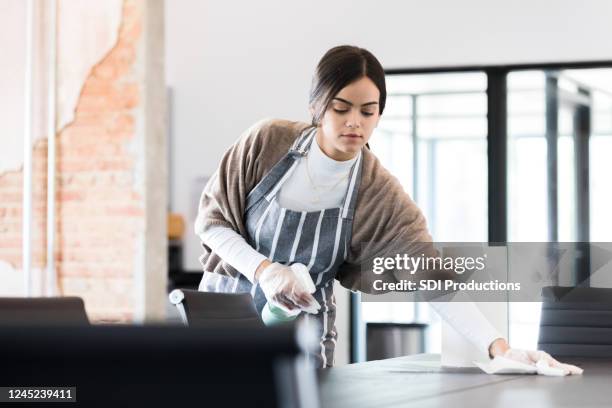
{"x": 317, "y": 189}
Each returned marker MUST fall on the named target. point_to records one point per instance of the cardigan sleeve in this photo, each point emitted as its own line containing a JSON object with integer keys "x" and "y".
{"x": 223, "y": 200}
{"x": 387, "y": 222}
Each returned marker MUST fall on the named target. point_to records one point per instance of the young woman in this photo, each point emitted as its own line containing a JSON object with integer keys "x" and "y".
{"x": 290, "y": 192}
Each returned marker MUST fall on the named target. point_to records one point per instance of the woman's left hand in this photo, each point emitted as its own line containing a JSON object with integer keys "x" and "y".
{"x": 501, "y": 348}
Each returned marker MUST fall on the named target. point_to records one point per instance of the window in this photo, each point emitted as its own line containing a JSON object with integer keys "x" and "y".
{"x": 533, "y": 142}
{"x": 444, "y": 116}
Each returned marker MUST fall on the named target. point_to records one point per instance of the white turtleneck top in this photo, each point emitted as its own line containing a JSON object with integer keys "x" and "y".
{"x": 317, "y": 182}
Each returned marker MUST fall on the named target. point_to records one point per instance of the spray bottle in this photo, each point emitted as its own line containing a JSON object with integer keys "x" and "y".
{"x": 274, "y": 313}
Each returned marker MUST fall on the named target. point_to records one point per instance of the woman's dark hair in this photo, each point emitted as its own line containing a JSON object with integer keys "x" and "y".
{"x": 339, "y": 67}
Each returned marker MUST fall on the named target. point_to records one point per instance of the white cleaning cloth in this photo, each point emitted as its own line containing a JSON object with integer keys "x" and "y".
{"x": 303, "y": 276}
{"x": 301, "y": 272}
{"x": 503, "y": 365}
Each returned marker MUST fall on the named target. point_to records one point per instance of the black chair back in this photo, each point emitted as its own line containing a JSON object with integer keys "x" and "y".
{"x": 51, "y": 311}
{"x": 576, "y": 321}
{"x": 209, "y": 309}
{"x": 131, "y": 366}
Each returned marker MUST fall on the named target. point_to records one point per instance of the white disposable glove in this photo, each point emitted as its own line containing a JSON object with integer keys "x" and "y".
{"x": 288, "y": 288}
{"x": 542, "y": 361}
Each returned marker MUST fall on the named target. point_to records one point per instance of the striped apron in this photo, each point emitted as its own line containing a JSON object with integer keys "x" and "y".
{"x": 317, "y": 239}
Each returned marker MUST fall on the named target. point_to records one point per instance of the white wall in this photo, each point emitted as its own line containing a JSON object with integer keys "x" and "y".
{"x": 231, "y": 63}
{"x": 12, "y": 83}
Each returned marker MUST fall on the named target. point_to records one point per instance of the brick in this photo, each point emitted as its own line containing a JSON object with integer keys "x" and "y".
{"x": 10, "y": 243}
{"x": 71, "y": 195}
{"x": 10, "y": 197}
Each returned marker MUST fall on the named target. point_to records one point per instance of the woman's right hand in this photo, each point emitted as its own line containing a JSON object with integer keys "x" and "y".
{"x": 280, "y": 285}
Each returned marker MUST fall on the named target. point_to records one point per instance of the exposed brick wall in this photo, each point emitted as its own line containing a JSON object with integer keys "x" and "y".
{"x": 100, "y": 214}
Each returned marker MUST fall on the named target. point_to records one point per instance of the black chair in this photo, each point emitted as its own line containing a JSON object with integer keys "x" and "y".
{"x": 129, "y": 366}
{"x": 209, "y": 309}
{"x": 37, "y": 311}
{"x": 576, "y": 321}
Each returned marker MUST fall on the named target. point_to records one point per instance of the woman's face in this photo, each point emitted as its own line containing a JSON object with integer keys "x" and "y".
{"x": 349, "y": 120}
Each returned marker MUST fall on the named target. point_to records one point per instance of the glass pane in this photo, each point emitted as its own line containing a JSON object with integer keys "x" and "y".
{"x": 527, "y": 157}
{"x": 527, "y": 206}
{"x": 528, "y": 212}
{"x": 450, "y": 184}
{"x": 527, "y": 185}
{"x": 460, "y": 192}
{"x": 566, "y": 188}
{"x": 601, "y": 193}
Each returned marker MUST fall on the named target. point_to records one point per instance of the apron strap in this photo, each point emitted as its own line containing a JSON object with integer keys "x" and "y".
{"x": 302, "y": 143}
{"x": 350, "y": 198}
{"x": 280, "y": 172}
